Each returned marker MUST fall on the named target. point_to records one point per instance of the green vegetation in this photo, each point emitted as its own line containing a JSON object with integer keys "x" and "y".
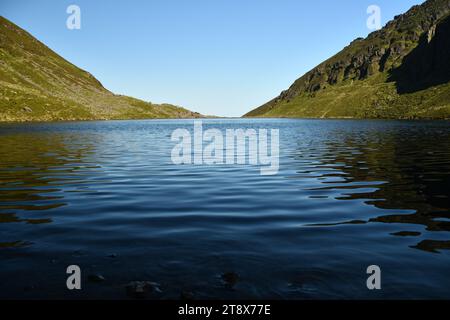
{"x": 36, "y": 84}
{"x": 401, "y": 71}
{"x": 369, "y": 98}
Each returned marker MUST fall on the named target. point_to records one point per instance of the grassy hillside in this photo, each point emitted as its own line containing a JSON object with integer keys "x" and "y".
{"x": 36, "y": 84}
{"x": 401, "y": 71}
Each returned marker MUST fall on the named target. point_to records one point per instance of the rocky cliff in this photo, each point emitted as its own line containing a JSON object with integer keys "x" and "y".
{"x": 386, "y": 75}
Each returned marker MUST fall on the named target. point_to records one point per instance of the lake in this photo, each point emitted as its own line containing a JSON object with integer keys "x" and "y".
{"x": 106, "y": 196}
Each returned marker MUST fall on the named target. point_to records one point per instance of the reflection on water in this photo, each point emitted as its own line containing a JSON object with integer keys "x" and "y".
{"x": 34, "y": 168}
{"x": 106, "y": 196}
{"x": 414, "y": 165}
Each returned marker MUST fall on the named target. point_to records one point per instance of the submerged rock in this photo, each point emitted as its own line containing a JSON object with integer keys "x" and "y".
{"x": 96, "y": 278}
{"x": 187, "y": 295}
{"x": 140, "y": 289}
{"x": 230, "y": 279}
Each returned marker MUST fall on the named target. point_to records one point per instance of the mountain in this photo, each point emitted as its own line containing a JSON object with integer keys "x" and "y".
{"x": 36, "y": 84}
{"x": 401, "y": 71}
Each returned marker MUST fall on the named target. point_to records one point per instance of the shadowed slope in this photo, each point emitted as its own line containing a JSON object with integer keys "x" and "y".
{"x": 428, "y": 64}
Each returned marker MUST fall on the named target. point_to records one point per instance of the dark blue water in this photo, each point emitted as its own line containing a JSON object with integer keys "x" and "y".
{"x": 106, "y": 196}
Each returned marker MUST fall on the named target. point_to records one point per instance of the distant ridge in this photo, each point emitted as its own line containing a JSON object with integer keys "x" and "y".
{"x": 36, "y": 84}
{"x": 401, "y": 71}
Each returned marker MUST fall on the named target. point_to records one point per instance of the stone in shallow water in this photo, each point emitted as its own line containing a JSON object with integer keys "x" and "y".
{"x": 140, "y": 289}
{"x": 187, "y": 295}
{"x": 96, "y": 278}
{"x": 230, "y": 279}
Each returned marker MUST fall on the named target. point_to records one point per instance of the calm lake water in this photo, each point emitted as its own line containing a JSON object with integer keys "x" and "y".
{"x": 107, "y": 197}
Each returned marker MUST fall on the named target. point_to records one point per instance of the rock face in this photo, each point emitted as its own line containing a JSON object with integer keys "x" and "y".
{"x": 38, "y": 84}
{"x": 420, "y": 36}
{"x": 428, "y": 64}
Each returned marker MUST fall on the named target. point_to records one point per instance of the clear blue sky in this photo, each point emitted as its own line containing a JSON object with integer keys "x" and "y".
{"x": 221, "y": 57}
